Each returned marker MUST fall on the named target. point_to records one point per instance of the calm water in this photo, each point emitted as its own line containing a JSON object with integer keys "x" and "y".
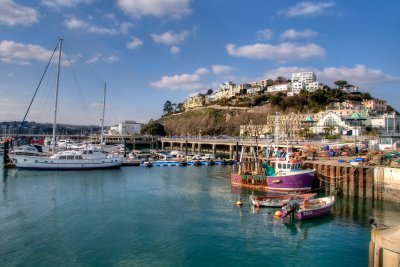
{"x": 168, "y": 216}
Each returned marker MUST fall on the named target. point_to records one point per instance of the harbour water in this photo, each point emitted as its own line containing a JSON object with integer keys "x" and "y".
{"x": 168, "y": 216}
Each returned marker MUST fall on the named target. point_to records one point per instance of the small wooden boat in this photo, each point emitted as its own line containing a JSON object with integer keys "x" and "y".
{"x": 309, "y": 208}
{"x": 278, "y": 201}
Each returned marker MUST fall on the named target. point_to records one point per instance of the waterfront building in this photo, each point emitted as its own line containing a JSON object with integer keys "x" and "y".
{"x": 126, "y": 128}
{"x": 375, "y": 105}
{"x": 289, "y": 126}
{"x": 386, "y": 122}
{"x": 194, "y": 101}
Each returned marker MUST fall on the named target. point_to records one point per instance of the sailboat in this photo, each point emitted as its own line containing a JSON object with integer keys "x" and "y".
{"x": 83, "y": 159}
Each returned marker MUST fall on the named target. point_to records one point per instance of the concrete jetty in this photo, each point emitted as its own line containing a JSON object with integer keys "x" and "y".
{"x": 384, "y": 247}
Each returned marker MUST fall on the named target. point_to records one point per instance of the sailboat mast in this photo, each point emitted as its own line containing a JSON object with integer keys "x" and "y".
{"x": 102, "y": 119}
{"x": 56, "y": 102}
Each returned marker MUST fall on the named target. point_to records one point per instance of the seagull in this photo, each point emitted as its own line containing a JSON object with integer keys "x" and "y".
{"x": 372, "y": 222}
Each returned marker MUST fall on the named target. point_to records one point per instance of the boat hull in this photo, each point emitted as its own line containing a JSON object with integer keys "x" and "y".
{"x": 42, "y": 163}
{"x": 316, "y": 208}
{"x": 317, "y": 212}
{"x": 299, "y": 182}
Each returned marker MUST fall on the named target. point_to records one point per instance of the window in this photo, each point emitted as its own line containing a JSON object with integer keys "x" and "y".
{"x": 330, "y": 122}
{"x": 70, "y": 157}
{"x": 63, "y": 157}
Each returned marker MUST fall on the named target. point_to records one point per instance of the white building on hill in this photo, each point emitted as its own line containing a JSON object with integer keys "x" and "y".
{"x": 306, "y": 77}
{"x": 283, "y": 87}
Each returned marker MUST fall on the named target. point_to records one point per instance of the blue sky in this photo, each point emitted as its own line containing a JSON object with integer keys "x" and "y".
{"x": 151, "y": 51}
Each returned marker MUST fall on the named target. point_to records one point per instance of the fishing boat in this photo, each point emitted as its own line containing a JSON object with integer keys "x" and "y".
{"x": 284, "y": 175}
{"x": 309, "y": 208}
{"x": 83, "y": 159}
{"x": 278, "y": 201}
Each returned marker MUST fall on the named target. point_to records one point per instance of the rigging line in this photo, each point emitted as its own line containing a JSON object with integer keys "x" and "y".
{"x": 77, "y": 84}
{"x": 41, "y": 79}
{"x": 45, "y": 99}
{"x": 92, "y": 70}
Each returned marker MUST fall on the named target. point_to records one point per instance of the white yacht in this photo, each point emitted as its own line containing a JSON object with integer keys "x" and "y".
{"x": 88, "y": 158}
{"x": 68, "y": 160}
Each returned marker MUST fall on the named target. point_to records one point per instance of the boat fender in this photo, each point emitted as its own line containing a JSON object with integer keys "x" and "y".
{"x": 257, "y": 204}
{"x": 278, "y": 213}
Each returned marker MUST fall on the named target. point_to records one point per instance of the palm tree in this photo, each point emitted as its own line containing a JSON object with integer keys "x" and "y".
{"x": 331, "y": 129}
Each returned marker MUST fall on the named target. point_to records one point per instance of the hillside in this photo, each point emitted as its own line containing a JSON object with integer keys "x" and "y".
{"x": 213, "y": 121}
{"x": 225, "y": 116}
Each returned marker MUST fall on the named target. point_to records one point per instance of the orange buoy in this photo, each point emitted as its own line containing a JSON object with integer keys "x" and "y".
{"x": 257, "y": 204}
{"x": 278, "y": 213}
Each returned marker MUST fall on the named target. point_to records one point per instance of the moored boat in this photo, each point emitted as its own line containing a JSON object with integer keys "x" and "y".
{"x": 33, "y": 157}
{"x": 165, "y": 163}
{"x": 278, "y": 201}
{"x": 309, "y": 208}
{"x": 287, "y": 176}
{"x": 68, "y": 160}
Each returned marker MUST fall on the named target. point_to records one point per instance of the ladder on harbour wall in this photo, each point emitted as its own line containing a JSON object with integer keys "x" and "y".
{"x": 380, "y": 182}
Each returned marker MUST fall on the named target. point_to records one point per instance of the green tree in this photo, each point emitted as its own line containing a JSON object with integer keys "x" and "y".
{"x": 168, "y": 107}
{"x": 340, "y": 83}
{"x": 153, "y": 128}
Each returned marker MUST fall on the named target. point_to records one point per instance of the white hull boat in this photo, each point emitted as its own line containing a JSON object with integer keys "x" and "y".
{"x": 68, "y": 160}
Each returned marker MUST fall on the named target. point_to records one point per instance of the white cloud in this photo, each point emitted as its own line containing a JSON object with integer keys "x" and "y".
{"x": 174, "y": 49}
{"x": 359, "y": 75}
{"x": 265, "y": 34}
{"x": 222, "y": 69}
{"x": 308, "y": 9}
{"x": 134, "y": 43}
{"x": 281, "y": 52}
{"x": 170, "y": 38}
{"x": 63, "y": 3}
{"x": 12, "y": 14}
{"x": 12, "y": 52}
{"x": 73, "y": 23}
{"x": 99, "y": 57}
{"x": 124, "y": 27}
{"x": 202, "y": 71}
{"x": 285, "y": 72}
{"x": 185, "y": 82}
{"x": 293, "y": 34}
{"x": 158, "y": 8}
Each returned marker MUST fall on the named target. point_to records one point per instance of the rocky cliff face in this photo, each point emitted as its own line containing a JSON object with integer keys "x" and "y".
{"x": 213, "y": 121}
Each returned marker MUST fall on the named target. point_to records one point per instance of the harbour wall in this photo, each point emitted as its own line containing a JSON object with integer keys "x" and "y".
{"x": 374, "y": 182}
